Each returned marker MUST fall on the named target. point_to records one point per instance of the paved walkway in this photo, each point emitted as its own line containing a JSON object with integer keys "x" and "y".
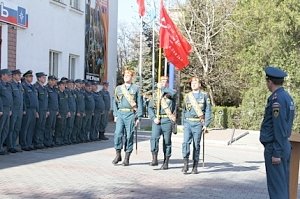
{"x": 85, "y": 171}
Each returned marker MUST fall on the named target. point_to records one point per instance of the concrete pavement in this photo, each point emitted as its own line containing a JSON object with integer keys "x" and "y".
{"x": 85, "y": 171}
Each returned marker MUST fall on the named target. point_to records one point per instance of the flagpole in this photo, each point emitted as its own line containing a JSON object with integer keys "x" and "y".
{"x": 141, "y": 53}
{"x": 153, "y": 50}
{"x": 158, "y": 80}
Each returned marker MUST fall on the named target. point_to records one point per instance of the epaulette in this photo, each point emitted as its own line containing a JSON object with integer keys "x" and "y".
{"x": 274, "y": 96}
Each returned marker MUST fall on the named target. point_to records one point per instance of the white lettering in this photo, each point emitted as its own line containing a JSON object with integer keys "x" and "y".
{"x": 4, "y": 12}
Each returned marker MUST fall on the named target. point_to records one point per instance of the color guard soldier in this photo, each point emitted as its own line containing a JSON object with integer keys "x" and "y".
{"x": 53, "y": 110}
{"x": 162, "y": 121}
{"x": 197, "y": 117}
{"x": 31, "y": 104}
{"x": 276, "y": 128}
{"x": 6, "y": 102}
{"x": 43, "y": 111}
{"x": 17, "y": 112}
{"x": 127, "y": 112}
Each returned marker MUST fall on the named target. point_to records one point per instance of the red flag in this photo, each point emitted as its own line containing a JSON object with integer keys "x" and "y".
{"x": 141, "y": 4}
{"x": 176, "y": 47}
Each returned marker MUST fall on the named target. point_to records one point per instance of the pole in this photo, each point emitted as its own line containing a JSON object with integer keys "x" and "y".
{"x": 153, "y": 51}
{"x": 203, "y": 146}
{"x": 141, "y": 53}
{"x": 158, "y": 80}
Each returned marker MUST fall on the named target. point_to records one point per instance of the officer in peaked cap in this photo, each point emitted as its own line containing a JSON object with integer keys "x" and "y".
{"x": 43, "y": 111}
{"x": 17, "y": 112}
{"x": 28, "y": 73}
{"x": 275, "y": 130}
{"x": 78, "y": 135}
{"x": 104, "y": 118}
{"x": 31, "y": 105}
{"x": 6, "y": 100}
{"x": 53, "y": 110}
{"x": 89, "y": 110}
{"x": 69, "y": 134}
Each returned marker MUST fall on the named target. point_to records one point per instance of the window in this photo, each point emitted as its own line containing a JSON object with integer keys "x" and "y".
{"x": 53, "y": 62}
{"x": 72, "y": 66}
{"x": 75, "y": 4}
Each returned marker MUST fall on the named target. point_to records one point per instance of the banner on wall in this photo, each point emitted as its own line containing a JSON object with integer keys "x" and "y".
{"x": 96, "y": 35}
{"x": 13, "y": 14}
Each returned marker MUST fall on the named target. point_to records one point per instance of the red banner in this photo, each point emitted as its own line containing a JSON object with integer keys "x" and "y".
{"x": 141, "y": 4}
{"x": 176, "y": 47}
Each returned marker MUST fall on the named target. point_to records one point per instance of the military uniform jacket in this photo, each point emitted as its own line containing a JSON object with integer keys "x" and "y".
{"x": 6, "y": 98}
{"x": 52, "y": 98}
{"x": 106, "y": 97}
{"x": 71, "y": 100}
{"x": 30, "y": 96}
{"x": 63, "y": 103}
{"x": 99, "y": 101}
{"x": 278, "y": 120}
{"x": 89, "y": 102}
{"x": 42, "y": 96}
{"x": 17, "y": 92}
{"x": 122, "y": 103}
{"x": 204, "y": 103}
{"x": 80, "y": 103}
{"x": 170, "y": 97}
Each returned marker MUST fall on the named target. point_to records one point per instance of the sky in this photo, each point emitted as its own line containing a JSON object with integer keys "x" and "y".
{"x": 127, "y": 11}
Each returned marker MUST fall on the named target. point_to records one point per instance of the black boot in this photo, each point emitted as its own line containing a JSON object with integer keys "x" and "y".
{"x": 126, "y": 160}
{"x": 165, "y": 166}
{"x": 118, "y": 157}
{"x": 185, "y": 165}
{"x": 102, "y": 136}
{"x": 195, "y": 167}
{"x": 154, "y": 159}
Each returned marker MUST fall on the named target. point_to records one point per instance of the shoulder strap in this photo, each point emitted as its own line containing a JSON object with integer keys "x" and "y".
{"x": 128, "y": 97}
{"x": 195, "y": 105}
{"x": 164, "y": 105}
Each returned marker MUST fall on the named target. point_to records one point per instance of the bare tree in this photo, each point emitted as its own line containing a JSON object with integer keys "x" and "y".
{"x": 203, "y": 21}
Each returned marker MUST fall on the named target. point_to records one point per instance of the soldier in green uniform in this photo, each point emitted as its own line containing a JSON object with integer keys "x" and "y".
{"x": 53, "y": 110}
{"x": 6, "y": 102}
{"x": 72, "y": 107}
{"x": 197, "y": 117}
{"x": 38, "y": 138}
{"x": 89, "y": 111}
{"x": 161, "y": 112}
{"x": 127, "y": 112}
{"x": 99, "y": 111}
{"x": 104, "y": 117}
{"x": 17, "y": 112}
{"x": 63, "y": 114}
{"x": 80, "y": 112}
{"x": 31, "y": 104}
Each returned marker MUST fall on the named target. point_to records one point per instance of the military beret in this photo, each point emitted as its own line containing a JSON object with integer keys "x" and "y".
{"x": 78, "y": 81}
{"x": 52, "y": 77}
{"x": 28, "y": 73}
{"x": 64, "y": 79}
{"x": 17, "y": 71}
{"x": 274, "y": 72}
{"x": 5, "y": 72}
{"x": 40, "y": 74}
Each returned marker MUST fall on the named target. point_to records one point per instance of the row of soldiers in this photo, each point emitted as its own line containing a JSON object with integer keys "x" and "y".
{"x": 59, "y": 113}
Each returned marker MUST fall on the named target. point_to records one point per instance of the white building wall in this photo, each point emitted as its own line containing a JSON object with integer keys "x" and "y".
{"x": 52, "y": 26}
{"x": 112, "y": 44}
